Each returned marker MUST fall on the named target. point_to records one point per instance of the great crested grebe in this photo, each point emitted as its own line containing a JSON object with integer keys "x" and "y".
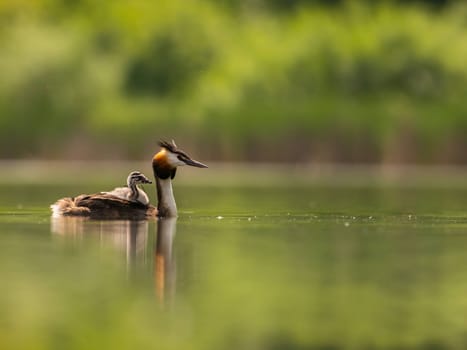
{"x": 164, "y": 164}
{"x": 132, "y": 202}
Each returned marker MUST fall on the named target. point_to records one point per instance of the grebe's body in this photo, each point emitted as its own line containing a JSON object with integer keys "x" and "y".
{"x": 121, "y": 203}
{"x": 131, "y": 202}
{"x": 102, "y": 206}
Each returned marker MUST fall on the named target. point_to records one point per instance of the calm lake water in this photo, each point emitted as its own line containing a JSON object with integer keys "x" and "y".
{"x": 241, "y": 268}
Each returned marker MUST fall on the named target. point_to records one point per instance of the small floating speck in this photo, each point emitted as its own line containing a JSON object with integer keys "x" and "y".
{"x": 346, "y": 224}
{"x": 219, "y": 217}
{"x": 249, "y": 219}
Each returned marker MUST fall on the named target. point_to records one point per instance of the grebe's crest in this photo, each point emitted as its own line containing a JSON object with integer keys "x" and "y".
{"x": 170, "y": 146}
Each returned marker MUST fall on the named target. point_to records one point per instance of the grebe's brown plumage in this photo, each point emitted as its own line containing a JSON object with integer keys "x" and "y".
{"x": 118, "y": 204}
{"x": 121, "y": 203}
{"x": 103, "y": 206}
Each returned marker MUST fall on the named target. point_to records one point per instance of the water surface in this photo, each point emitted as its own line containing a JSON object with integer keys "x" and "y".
{"x": 241, "y": 268}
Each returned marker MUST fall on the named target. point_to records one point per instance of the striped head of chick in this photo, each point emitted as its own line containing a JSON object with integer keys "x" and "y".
{"x": 137, "y": 177}
{"x": 166, "y": 161}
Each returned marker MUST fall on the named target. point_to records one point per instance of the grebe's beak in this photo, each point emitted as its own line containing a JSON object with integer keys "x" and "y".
{"x": 194, "y": 163}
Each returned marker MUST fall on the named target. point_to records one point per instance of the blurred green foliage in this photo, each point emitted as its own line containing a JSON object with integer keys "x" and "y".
{"x": 312, "y": 80}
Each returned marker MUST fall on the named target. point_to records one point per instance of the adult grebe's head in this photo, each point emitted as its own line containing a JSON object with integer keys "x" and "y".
{"x": 137, "y": 177}
{"x": 166, "y": 161}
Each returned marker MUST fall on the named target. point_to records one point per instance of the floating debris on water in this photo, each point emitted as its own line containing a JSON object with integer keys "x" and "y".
{"x": 346, "y": 224}
{"x": 219, "y": 217}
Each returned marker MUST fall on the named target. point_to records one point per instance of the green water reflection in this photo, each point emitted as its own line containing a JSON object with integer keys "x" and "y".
{"x": 241, "y": 268}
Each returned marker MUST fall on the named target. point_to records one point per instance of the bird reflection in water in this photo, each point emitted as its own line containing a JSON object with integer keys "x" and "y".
{"x": 126, "y": 236}
{"x": 131, "y": 238}
{"x": 164, "y": 263}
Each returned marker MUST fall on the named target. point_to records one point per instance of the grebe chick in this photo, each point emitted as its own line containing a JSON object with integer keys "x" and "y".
{"x": 132, "y": 192}
{"x": 121, "y": 203}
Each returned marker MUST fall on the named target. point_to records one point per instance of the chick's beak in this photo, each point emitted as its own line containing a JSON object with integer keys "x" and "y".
{"x": 195, "y": 163}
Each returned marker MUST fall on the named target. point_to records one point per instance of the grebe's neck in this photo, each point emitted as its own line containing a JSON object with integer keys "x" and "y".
{"x": 134, "y": 191}
{"x": 166, "y": 206}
